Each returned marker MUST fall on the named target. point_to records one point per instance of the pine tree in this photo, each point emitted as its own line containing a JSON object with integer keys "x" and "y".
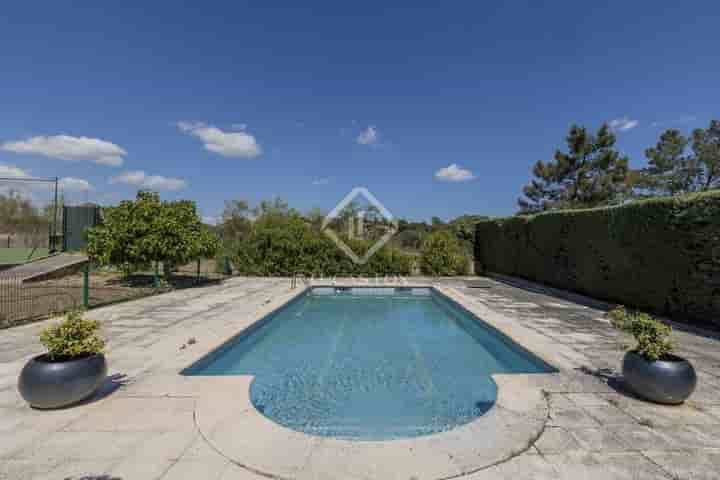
{"x": 670, "y": 171}
{"x": 706, "y": 153}
{"x": 591, "y": 173}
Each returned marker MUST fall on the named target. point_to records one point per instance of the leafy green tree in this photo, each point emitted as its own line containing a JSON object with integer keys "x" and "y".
{"x": 137, "y": 233}
{"x": 591, "y": 173}
{"x": 316, "y": 216}
{"x": 409, "y": 239}
{"x": 275, "y": 206}
{"x": 442, "y": 255}
{"x": 236, "y": 220}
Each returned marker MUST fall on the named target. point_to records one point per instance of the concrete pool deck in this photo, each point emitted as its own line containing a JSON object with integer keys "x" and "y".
{"x": 150, "y": 422}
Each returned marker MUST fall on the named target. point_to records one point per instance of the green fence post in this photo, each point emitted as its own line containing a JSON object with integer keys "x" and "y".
{"x": 86, "y": 286}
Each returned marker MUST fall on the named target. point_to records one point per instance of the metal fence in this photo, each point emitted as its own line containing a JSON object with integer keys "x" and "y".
{"x": 89, "y": 286}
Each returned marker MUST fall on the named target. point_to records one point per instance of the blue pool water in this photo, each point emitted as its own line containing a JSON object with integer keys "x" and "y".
{"x": 371, "y": 363}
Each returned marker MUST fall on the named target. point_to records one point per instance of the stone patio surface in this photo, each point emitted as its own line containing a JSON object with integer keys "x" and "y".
{"x": 148, "y": 422}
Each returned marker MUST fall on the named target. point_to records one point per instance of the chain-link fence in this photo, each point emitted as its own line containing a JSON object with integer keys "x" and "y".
{"x": 89, "y": 286}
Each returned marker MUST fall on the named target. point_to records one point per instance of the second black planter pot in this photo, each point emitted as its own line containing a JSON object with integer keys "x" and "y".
{"x": 669, "y": 381}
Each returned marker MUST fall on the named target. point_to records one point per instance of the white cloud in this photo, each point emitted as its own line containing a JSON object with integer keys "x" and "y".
{"x": 210, "y": 220}
{"x": 227, "y": 144}
{"x": 66, "y": 147}
{"x": 454, "y": 173}
{"x": 140, "y": 179}
{"x": 369, "y": 136}
{"x": 13, "y": 171}
{"x": 321, "y": 181}
{"x": 623, "y": 124}
{"x": 72, "y": 184}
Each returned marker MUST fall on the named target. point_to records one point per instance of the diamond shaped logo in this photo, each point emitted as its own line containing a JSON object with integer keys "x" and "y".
{"x": 356, "y": 224}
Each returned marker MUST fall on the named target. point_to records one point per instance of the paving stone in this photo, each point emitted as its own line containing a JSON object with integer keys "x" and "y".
{"x": 24, "y": 469}
{"x": 705, "y": 393}
{"x": 197, "y": 469}
{"x": 560, "y": 401}
{"x": 166, "y": 445}
{"x": 143, "y": 414}
{"x": 639, "y": 437}
{"x": 698, "y": 465}
{"x": 12, "y": 442}
{"x": 556, "y": 440}
{"x": 597, "y": 440}
{"x": 596, "y": 466}
{"x": 588, "y": 400}
{"x": 10, "y": 397}
{"x": 571, "y": 417}
{"x": 140, "y": 468}
{"x": 668, "y": 415}
{"x": 523, "y": 467}
{"x": 199, "y": 449}
{"x": 234, "y": 472}
{"x": 79, "y": 470}
{"x": 10, "y": 419}
{"x": 692, "y": 436}
{"x": 609, "y": 415}
{"x": 83, "y": 446}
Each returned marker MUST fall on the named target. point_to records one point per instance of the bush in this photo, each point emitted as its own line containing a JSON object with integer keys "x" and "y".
{"x": 281, "y": 245}
{"x": 136, "y": 233}
{"x": 73, "y": 337}
{"x": 442, "y": 255}
{"x": 652, "y": 336}
{"x": 658, "y": 255}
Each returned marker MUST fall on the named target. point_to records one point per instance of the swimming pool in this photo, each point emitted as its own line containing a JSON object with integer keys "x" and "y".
{"x": 371, "y": 363}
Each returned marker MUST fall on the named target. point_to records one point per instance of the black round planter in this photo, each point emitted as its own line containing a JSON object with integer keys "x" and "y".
{"x": 46, "y": 384}
{"x": 669, "y": 381}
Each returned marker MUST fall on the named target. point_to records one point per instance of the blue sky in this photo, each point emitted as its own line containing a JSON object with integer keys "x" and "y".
{"x": 216, "y": 101}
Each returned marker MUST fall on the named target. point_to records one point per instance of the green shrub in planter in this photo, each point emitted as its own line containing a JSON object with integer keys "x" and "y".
{"x": 651, "y": 370}
{"x": 652, "y": 336}
{"x": 73, "y": 337}
{"x": 72, "y": 369}
{"x": 441, "y": 254}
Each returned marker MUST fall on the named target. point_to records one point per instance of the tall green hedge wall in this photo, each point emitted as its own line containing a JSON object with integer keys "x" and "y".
{"x": 661, "y": 255}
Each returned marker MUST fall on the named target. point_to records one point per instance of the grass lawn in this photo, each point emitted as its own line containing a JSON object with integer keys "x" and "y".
{"x": 16, "y": 255}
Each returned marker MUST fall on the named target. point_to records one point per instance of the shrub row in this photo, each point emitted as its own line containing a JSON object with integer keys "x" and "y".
{"x": 281, "y": 245}
{"x": 284, "y": 245}
{"x": 661, "y": 255}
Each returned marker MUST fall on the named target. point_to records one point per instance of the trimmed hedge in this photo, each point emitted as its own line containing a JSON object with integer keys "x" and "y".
{"x": 661, "y": 255}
